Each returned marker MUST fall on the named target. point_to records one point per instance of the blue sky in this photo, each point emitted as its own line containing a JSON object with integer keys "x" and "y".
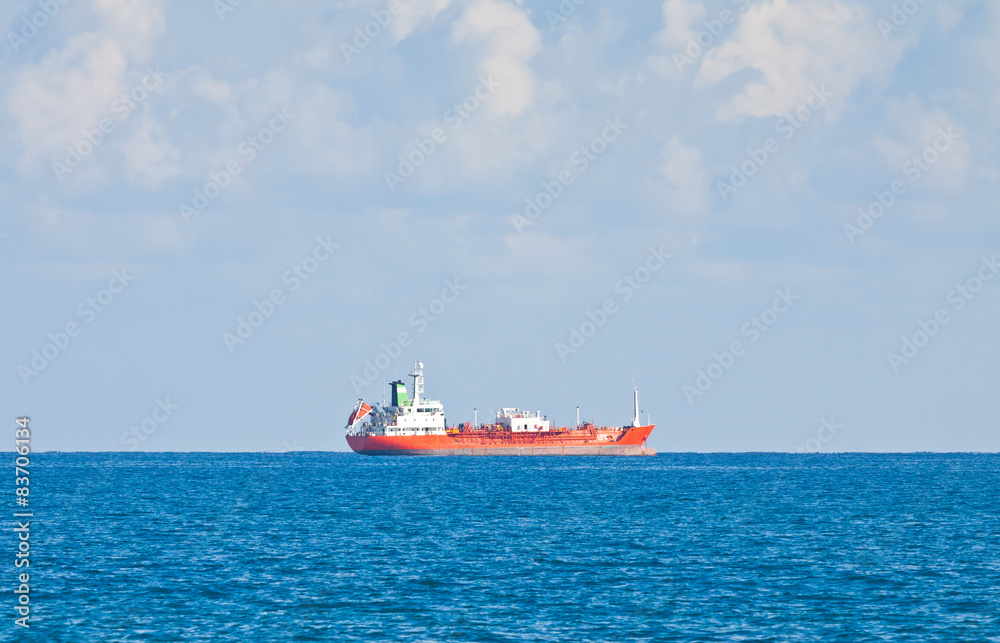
{"x": 215, "y": 215}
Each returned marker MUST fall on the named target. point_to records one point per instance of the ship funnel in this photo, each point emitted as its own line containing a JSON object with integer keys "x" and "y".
{"x": 635, "y": 400}
{"x": 399, "y": 397}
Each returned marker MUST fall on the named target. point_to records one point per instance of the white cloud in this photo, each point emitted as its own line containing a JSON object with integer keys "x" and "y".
{"x": 506, "y": 41}
{"x": 371, "y": 22}
{"x": 414, "y": 12}
{"x": 914, "y": 128}
{"x": 792, "y": 47}
{"x": 685, "y": 170}
{"x": 988, "y": 49}
{"x": 134, "y": 24}
{"x": 686, "y": 35}
{"x": 208, "y": 88}
{"x": 683, "y": 167}
{"x": 946, "y": 17}
{"x": 73, "y": 87}
{"x": 149, "y": 156}
{"x": 70, "y": 89}
{"x": 679, "y": 18}
{"x": 325, "y": 143}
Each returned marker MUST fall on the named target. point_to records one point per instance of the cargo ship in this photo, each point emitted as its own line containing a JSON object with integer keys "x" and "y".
{"x": 417, "y": 426}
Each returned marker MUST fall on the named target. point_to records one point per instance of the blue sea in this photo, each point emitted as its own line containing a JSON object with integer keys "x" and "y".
{"x": 677, "y": 547}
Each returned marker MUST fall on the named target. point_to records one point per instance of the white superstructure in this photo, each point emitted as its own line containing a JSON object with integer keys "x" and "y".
{"x": 402, "y": 416}
{"x": 520, "y": 421}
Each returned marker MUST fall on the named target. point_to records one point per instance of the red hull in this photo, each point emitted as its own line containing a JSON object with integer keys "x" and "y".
{"x": 631, "y": 441}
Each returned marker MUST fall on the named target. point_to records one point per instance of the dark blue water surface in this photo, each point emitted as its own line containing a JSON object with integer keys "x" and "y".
{"x": 337, "y": 547}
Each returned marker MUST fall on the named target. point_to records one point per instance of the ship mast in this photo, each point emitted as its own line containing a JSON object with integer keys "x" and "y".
{"x": 418, "y": 381}
{"x": 635, "y": 399}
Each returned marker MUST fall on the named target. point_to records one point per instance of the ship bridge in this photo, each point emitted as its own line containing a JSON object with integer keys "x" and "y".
{"x": 405, "y": 416}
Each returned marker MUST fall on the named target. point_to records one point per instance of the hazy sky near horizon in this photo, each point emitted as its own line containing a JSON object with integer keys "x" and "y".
{"x": 226, "y": 221}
